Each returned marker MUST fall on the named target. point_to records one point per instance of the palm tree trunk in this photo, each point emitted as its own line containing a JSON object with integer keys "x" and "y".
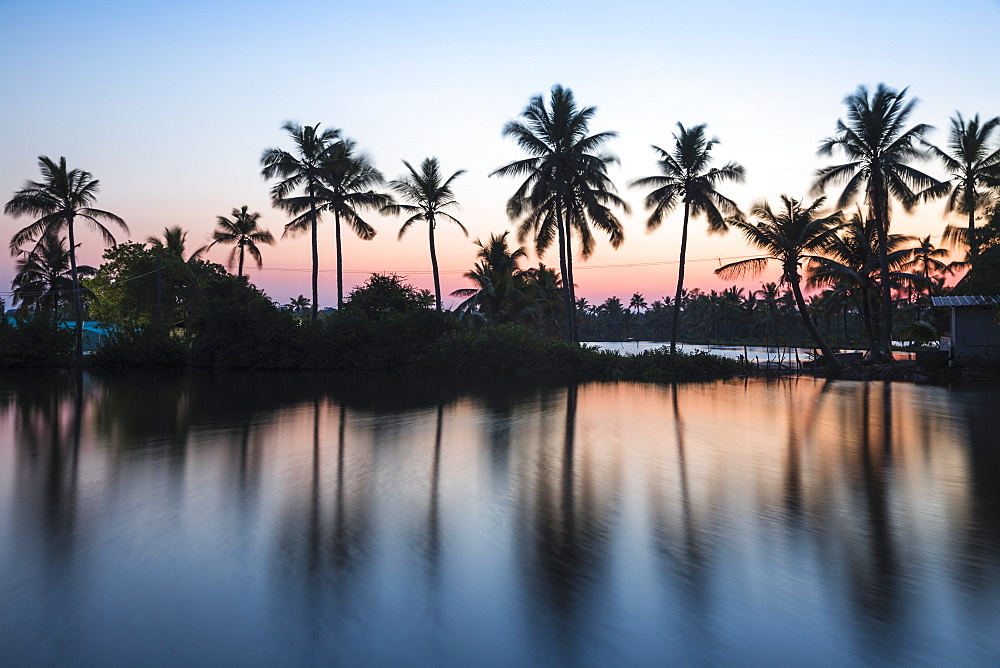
{"x": 434, "y": 263}
{"x": 970, "y": 204}
{"x": 565, "y": 274}
{"x": 680, "y": 279}
{"x": 574, "y": 327}
{"x": 882, "y": 229}
{"x": 340, "y": 263}
{"x": 239, "y": 272}
{"x": 829, "y": 359}
{"x": 78, "y": 329}
{"x": 315, "y": 255}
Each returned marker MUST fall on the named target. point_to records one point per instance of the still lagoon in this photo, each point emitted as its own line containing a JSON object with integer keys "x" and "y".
{"x": 258, "y": 519}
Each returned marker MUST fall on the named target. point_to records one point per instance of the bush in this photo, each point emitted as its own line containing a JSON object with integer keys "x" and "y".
{"x": 35, "y": 340}
{"x": 661, "y": 364}
{"x": 510, "y": 349}
{"x": 152, "y": 346}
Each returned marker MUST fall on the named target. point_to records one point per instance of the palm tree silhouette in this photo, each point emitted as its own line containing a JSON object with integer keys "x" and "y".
{"x": 878, "y": 146}
{"x": 44, "y": 275}
{"x": 347, "y": 183}
{"x": 789, "y": 236}
{"x": 685, "y": 177}
{"x": 240, "y": 230}
{"x": 173, "y": 240}
{"x": 495, "y": 275}
{"x": 59, "y": 199}
{"x": 303, "y": 170}
{"x": 566, "y": 184}
{"x": 298, "y": 305}
{"x": 926, "y": 258}
{"x": 973, "y": 162}
{"x": 851, "y": 264}
{"x": 429, "y": 195}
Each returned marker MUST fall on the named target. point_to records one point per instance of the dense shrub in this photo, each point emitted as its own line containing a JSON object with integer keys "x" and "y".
{"x": 34, "y": 340}
{"x": 661, "y": 364}
{"x": 510, "y": 349}
{"x": 152, "y": 346}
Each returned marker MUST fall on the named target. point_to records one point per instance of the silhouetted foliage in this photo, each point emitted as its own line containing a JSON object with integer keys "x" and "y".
{"x": 383, "y": 294}
{"x": 34, "y": 339}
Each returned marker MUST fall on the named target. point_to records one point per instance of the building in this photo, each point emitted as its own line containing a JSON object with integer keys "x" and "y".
{"x": 975, "y": 330}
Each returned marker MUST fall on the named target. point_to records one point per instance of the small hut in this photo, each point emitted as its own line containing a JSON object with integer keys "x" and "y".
{"x": 975, "y": 330}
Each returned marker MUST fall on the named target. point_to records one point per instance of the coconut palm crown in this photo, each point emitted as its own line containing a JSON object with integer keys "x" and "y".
{"x": 974, "y": 163}
{"x": 174, "y": 240}
{"x": 242, "y": 232}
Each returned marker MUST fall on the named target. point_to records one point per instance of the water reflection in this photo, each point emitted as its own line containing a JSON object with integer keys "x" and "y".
{"x": 205, "y": 517}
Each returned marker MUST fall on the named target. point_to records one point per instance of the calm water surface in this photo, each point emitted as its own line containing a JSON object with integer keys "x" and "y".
{"x": 224, "y": 519}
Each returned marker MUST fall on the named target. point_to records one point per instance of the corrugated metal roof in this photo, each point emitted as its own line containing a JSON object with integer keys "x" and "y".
{"x": 993, "y": 300}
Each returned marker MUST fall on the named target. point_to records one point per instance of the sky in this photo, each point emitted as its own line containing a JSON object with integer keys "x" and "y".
{"x": 170, "y": 105}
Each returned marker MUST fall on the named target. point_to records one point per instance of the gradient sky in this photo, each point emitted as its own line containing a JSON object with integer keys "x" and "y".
{"x": 171, "y": 104}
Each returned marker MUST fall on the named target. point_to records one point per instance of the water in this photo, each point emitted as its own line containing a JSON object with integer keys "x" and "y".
{"x": 783, "y": 355}
{"x": 224, "y": 519}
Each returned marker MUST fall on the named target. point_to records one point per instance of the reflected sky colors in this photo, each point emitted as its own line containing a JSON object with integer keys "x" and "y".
{"x": 170, "y": 106}
{"x": 199, "y": 519}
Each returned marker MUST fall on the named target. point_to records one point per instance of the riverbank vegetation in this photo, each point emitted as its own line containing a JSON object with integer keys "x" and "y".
{"x": 846, "y": 280}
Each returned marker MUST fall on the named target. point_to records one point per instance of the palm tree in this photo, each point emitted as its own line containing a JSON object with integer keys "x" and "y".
{"x": 303, "y": 170}
{"x": 429, "y": 195}
{"x": 173, "y": 241}
{"x": 495, "y": 275}
{"x": 851, "y": 266}
{"x": 768, "y": 294}
{"x": 925, "y": 258}
{"x": 878, "y": 146}
{"x": 240, "y": 230}
{"x": 59, "y": 199}
{"x": 347, "y": 186}
{"x": 685, "y": 177}
{"x": 789, "y": 236}
{"x": 638, "y": 302}
{"x": 545, "y": 293}
{"x": 44, "y": 275}
{"x": 973, "y": 162}
{"x": 566, "y": 184}
{"x": 298, "y": 305}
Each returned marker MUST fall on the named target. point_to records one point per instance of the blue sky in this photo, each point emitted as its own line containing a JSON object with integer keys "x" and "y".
{"x": 171, "y": 104}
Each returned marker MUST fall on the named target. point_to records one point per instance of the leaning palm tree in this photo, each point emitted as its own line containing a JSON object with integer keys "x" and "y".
{"x": 346, "y": 188}
{"x": 173, "y": 240}
{"x": 428, "y": 194}
{"x": 879, "y": 147}
{"x": 686, "y": 178}
{"x": 974, "y": 163}
{"x": 242, "y": 232}
{"x": 566, "y": 184}
{"x": 59, "y": 199}
{"x": 44, "y": 280}
{"x": 790, "y": 235}
{"x": 304, "y": 169}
